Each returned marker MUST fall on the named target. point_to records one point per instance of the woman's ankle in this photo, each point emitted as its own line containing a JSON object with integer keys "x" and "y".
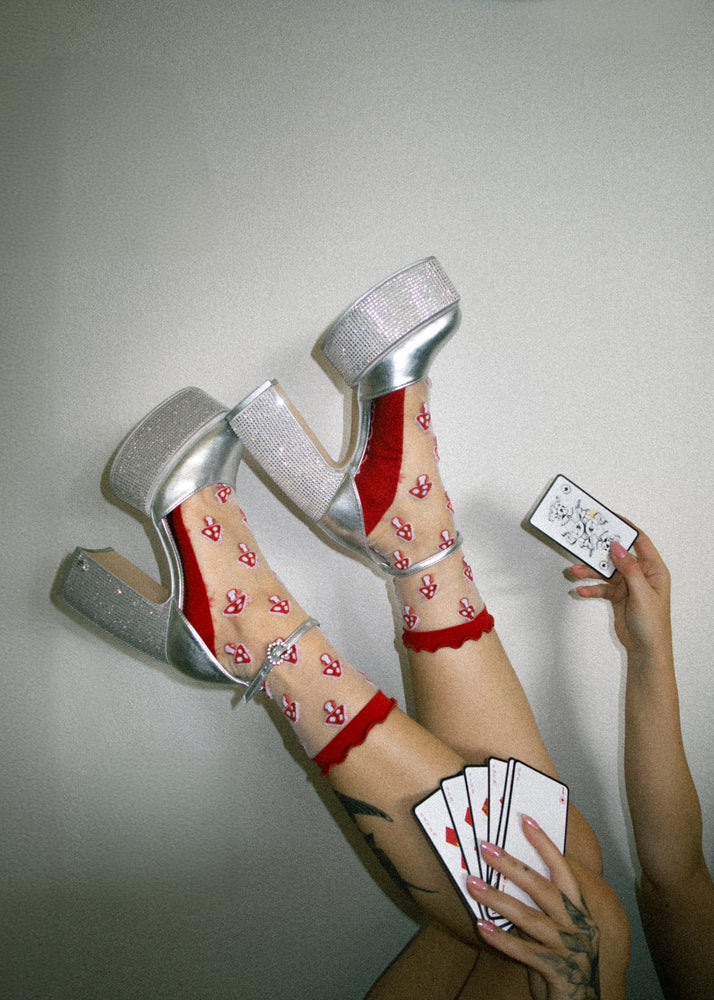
{"x": 407, "y": 513}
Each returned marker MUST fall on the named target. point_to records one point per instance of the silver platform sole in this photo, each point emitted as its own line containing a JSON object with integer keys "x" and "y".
{"x": 385, "y": 341}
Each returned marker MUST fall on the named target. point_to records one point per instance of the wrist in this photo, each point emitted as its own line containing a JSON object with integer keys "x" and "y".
{"x": 650, "y": 638}
{"x": 650, "y": 661}
{"x": 655, "y": 648}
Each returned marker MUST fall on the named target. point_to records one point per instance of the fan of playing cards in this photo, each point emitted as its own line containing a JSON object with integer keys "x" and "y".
{"x": 487, "y": 803}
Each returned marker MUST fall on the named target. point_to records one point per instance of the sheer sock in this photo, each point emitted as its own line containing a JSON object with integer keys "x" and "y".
{"x": 409, "y": 517}
{"x": 239, "y": 606}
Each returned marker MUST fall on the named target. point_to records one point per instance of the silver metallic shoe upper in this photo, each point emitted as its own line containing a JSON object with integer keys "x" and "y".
{"x": 385, "y": 341}
{"x": 186, "y": 443}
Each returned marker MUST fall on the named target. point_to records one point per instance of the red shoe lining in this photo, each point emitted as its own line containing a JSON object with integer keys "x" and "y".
{"x": 196, "y": 605}
{"x": 378, "y": 475}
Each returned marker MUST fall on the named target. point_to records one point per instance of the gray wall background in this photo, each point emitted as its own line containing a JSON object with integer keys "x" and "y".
{"x": 193, "y": 191}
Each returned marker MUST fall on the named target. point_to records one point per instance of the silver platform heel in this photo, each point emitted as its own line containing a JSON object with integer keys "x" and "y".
{"x": 184, "y": 444}
{"x": 385, "y": 341}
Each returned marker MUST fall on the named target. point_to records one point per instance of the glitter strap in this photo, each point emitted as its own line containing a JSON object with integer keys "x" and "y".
{"x": 355, "y": 732}
{"x": 453, "y": 638}
{"x": 276, "y": 653}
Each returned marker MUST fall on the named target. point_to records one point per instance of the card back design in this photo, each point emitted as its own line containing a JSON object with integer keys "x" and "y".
{"x": 581, "y": 525}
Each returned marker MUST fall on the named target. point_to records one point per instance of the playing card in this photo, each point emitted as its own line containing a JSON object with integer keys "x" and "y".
{"x": 546, "y": 801}
{"x": 457, "y": 801}
{"x": 477, "y": 787}
{"x": 581, "y": 525}
{"x": 487, "y": 803}
{"x": 497, "y": 773}
{"x": 435, "y": 819}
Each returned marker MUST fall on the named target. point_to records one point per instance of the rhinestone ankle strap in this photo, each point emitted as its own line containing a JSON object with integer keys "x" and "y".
{"x": 276, "y": 653}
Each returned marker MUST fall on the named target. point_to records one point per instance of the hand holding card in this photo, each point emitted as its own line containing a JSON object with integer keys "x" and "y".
{"x": 487, "y": 804}
{"x": 529, "y": 792}
{"x": 581, "y": 525}
{"x": 567, "y": 951}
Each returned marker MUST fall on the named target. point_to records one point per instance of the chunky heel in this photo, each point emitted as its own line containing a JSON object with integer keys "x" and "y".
{"x": 277, "y": 437}
{"x": 97, "y": 585}
{"x": 118, "y": 597}
{"x": 184, "y": 444}
{"x": 384, "y": 342}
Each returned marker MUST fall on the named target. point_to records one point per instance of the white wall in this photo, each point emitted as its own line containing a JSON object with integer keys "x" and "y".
{"x": 195, "y": 190}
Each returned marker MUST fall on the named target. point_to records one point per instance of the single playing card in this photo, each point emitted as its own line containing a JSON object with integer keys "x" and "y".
{"x": 505, "y": 795}
{"x": 435, "y": 819}
{"x": 546, "y": 801}
{"x": 497, "y": 773}
{"x": 581, "y": 525}
{"x": 477, "y": 787}
{"x": 457, "y": 801}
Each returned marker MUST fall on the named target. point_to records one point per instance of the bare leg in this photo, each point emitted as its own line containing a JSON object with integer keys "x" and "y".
{"x": 434, "y": 964}
{"x": 239, "y": 606}
{"x": 234, "y": 595}
{"x": 468, "y": 695}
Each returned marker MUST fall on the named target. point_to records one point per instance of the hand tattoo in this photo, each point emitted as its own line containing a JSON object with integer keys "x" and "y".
{"x": 579, "y": 969}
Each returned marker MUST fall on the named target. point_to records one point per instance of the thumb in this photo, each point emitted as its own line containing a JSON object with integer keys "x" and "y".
{"x": 626, "y": 562}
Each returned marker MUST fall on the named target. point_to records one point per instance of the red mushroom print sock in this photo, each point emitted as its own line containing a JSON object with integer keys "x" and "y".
{"x": 239, "y": 607}
{"x": 409, "y": 518}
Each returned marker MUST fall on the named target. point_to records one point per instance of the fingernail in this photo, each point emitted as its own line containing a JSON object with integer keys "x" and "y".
{"x": 477, "y": 883}
{"x": 618, "y": 550}
{"x": 529, "y": 821}
{"x": 486, "y": 927}
{"x": 490, "y": 849}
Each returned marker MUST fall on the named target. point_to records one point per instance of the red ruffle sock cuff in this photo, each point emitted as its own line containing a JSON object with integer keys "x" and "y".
{"x": 453, "y": 637}
{"x": 354, "y": 733}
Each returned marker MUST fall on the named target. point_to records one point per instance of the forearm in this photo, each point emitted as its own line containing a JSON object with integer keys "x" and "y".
{"x": 665, "y": 810}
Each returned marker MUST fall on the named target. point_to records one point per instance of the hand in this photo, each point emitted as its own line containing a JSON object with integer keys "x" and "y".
{"x": 560, "y": 945}
{"x": 639, "y": 593}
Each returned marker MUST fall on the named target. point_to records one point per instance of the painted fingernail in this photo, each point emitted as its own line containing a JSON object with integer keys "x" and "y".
{"x": 618, "y": 550}
{"x": 529, "y": 821}
{"x": 490, "y": 849}
{"x": 477, "y": 883}
{"x": 486, "y": 927}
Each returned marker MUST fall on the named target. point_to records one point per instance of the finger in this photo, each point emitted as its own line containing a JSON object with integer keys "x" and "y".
{"x": 542, "y": 891}
{"x": 521, "y": 950}
{"x": 581, "y": 572}
{"x": 535, "y": 924}
{"x": 652, "y": 562}
{"x": 594, "y": 584}
{"x": 645, "y": 549}
{"x": 596, "y": 590}
{"x": 630, "y": 567}
{"x": 561, "y": 874}
{"x": 551, "y": 894}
